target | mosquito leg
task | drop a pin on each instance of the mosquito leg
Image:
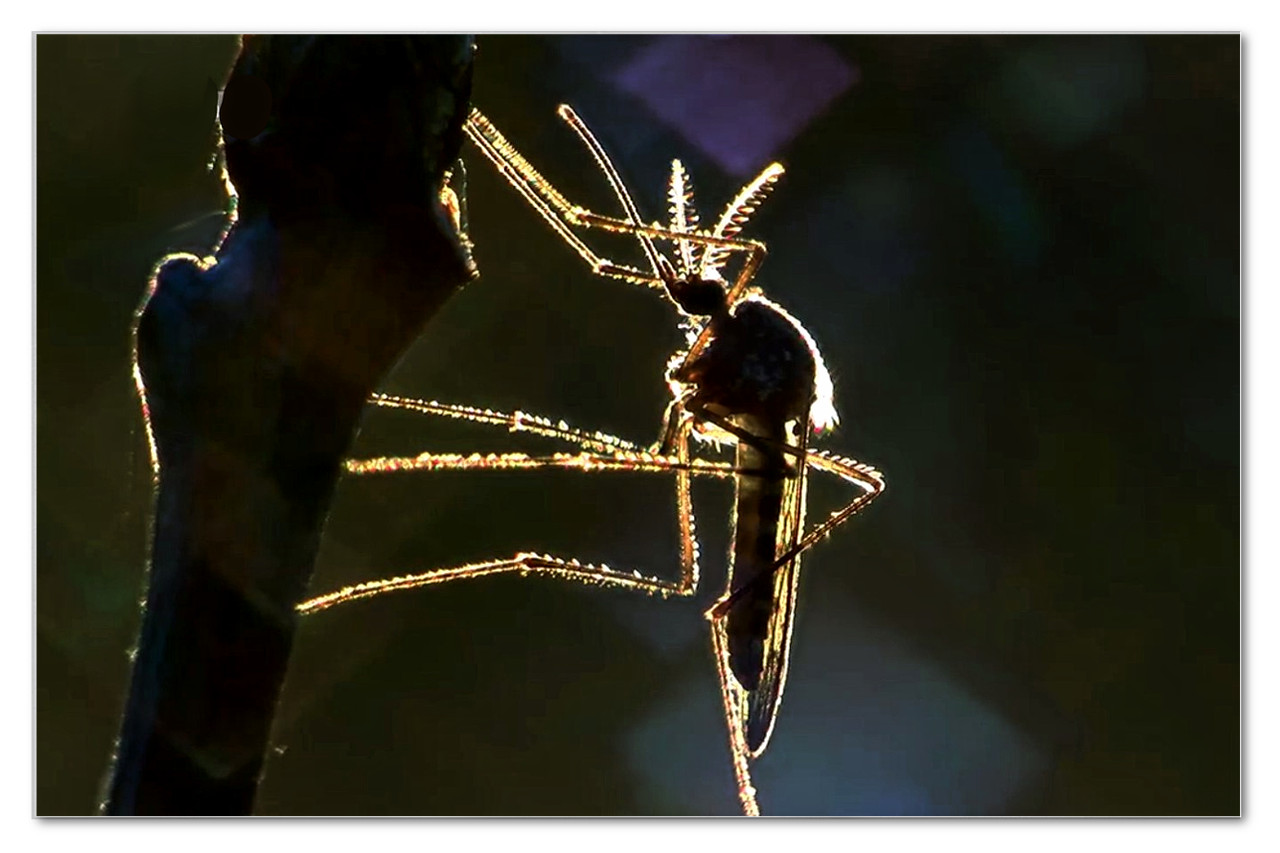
(730, 693)
(511, 162)
(535, 190)
(591, 219)
(755, 257)
(612, 453)
(672, 420)
(620, 460)
(557, 211)
(865, 477)
(524, 564)
(513, 421)
(861, 475)
(734, 700)
(546, 201)
(756, 252)
(629, 274)
(684, 508)
(615, 180)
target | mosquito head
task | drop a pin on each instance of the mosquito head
(696, 296)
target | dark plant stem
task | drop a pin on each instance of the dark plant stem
(255, 370)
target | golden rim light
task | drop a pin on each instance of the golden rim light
(701, 253)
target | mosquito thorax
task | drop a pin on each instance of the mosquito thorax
(759, 362)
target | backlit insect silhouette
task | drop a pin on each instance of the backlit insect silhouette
(751, 377)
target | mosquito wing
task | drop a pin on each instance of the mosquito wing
(762, 704)
(769, 519)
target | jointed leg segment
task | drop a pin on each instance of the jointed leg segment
(612, 454)
(560, 214)
(545, 199)
(865, 477)
(524, 564)
(603, 452)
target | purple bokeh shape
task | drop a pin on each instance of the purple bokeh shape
(739, 99)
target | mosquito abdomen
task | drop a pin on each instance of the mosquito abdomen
(758, 506)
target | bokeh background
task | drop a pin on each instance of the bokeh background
(1020, 256)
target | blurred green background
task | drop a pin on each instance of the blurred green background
(1020, 256)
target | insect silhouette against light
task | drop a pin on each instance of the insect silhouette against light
(750, 378)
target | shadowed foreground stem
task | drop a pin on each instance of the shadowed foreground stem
(254, 367)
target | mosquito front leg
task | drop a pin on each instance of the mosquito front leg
(615, 181)
(735, 216)
(754, 249)
(547, 201)
(518, 171)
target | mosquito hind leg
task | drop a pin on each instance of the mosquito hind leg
(548, 203)
(865, 477)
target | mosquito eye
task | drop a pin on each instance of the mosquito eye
(699, 297)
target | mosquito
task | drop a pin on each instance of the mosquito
(750, 378)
